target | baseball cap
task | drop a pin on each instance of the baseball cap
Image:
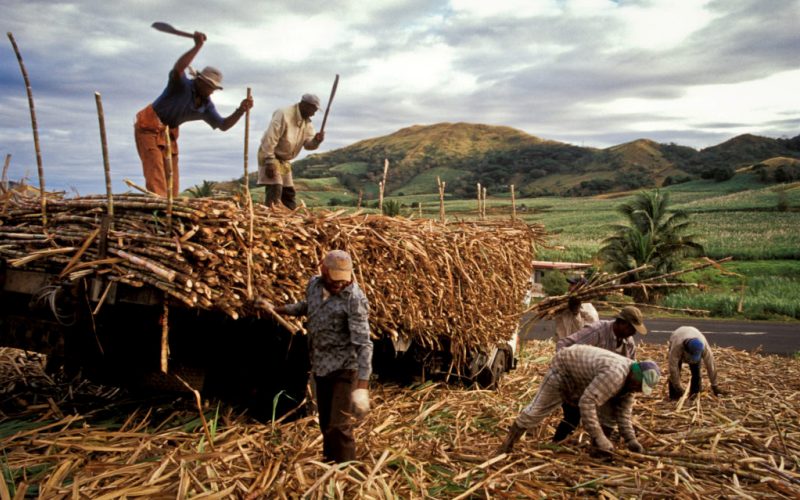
(311, 99)
(339, 265)
(648, 373)
(633, 316)
(694, 348)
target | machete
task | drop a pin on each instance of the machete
(167, 28)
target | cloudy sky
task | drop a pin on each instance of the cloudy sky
(588, 72)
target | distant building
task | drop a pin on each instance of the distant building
(540, 267)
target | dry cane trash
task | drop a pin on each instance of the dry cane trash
(81, 440)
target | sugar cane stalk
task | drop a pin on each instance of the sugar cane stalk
(248, 201)
(170, 179)
(104, 144)
(5, 171)
(35, 127)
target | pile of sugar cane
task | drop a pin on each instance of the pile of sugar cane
(425, 280)
(431, 440)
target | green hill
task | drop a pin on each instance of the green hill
(464, 154)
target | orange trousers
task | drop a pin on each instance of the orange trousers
(151, 143)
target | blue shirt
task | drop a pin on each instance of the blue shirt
(338, 329)
(175, 105)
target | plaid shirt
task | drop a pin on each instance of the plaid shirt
(592, 376)
(677, 355)
(338, 329)
(600, 334)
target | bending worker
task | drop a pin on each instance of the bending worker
(688, 345)
(289, 131)
(614, 335)
(181, 101)
(589, 377)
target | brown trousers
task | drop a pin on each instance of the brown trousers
(335, 407)
(151, 144)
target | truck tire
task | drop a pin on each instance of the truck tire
(489, 377)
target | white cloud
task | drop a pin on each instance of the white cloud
(747, 103)
(661, 24)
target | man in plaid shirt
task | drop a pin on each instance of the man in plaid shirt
(589, 377)
(615, 335)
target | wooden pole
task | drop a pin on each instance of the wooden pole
(165, 336)
(169, 180)
(513, 204)
(106, 166)
(441, 199)
(483, 204)
(249, 202)
(479, 200)
(419, 205)
(35, 128)
(360, 196)
(382, 185)
(5, 171)
(330, 100)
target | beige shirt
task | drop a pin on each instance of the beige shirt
(287, 134)
(568, 323)
(677, 355)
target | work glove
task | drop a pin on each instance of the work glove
(514, 434)
(635, 446)
(717, 391)
(361, 402)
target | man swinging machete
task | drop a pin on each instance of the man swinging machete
(184, 99)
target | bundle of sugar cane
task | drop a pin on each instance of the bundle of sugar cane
(65, 440)
(604, 285)
(424, 280)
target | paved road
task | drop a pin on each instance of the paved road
(770, 337)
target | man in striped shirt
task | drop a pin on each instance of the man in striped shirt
(589, 377)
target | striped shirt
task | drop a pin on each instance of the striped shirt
(600, 334)
(677, 355)
(591, 376)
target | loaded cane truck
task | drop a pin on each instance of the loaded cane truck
(170, 296)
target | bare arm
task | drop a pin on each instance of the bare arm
(186, 59)
(231, 119)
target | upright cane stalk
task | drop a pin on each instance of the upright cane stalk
(170, 179)
(249, 202)
(106, 166)
(5, 172)
(35, 128)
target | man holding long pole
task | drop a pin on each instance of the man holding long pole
(289, 131)
(183, 100)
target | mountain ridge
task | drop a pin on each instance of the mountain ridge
(464, 154)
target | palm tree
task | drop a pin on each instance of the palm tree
(653, 235)
(205, 190)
